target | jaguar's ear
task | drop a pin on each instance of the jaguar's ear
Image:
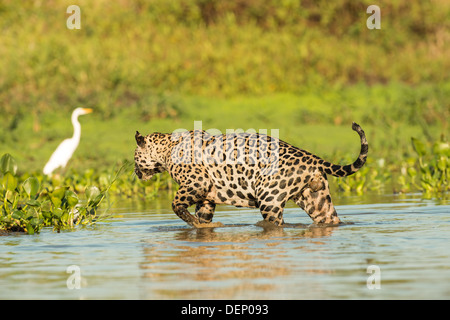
(140, 140)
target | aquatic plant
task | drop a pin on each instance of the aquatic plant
(30, 202)
(28, 207)
(429, 170)
(434, 165)
(372, 177)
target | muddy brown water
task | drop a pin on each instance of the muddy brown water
(388, 248)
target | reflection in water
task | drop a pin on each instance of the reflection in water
(268, 232)
(227, 262)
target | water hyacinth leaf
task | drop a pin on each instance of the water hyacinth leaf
(71, 198)
(5, 219)
(91, 193)
(57, 196)
(442, 148)
(31, 186)
(17, 214)
(33, 203)
(8, 164)
(9, 182)
(65, 217)
(442, 163)
(30, 229)
(47, 214)
(56, 201)
(58, 213)
(59, 192)
(46, 206)
(419, 147)
(412, 172)
(36, 222)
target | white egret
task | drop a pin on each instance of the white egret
(66, 148)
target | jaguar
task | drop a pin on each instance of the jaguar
(242, 169)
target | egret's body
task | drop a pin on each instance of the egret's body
(66, 148)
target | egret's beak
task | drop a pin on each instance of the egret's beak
(88, 110)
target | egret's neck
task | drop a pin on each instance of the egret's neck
(76, 128)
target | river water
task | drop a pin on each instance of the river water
(388, 248)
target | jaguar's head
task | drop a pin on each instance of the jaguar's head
(146, 158)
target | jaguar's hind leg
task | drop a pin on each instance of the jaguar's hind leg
(315, 199)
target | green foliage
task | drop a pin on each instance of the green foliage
(429, 171)
(28, 207)
(434, 165)
(29, 203)
(372, 177)
(129, 53)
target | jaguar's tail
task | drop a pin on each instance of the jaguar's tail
(343, 171)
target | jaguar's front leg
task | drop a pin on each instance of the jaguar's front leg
(181, 202)
(182, 212)
(205, 211)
